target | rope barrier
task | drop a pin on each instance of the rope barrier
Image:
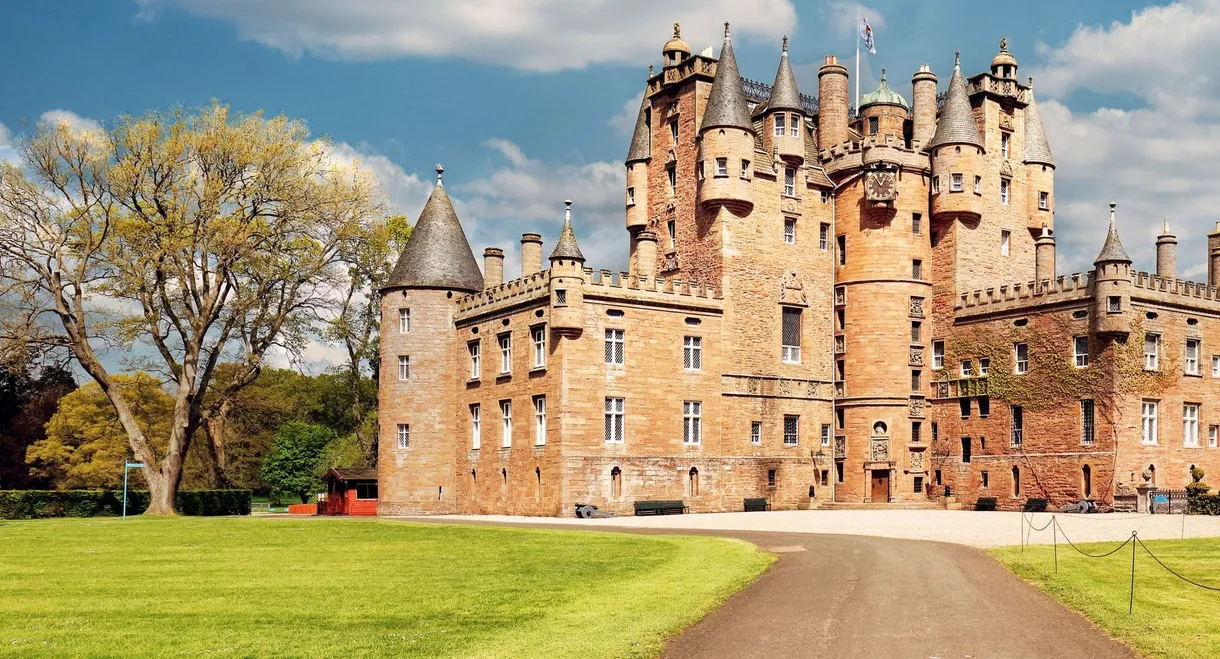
(1173, 572)
(1073, 545)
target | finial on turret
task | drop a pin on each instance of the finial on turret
(1031, 82)
(677, 30)
(957, 59)
(567, 208)
(785, 44)
(650, 72)
(1003, 44)
(1165, 230)
(726, 29)
(1113, 205)
(440, 171)
(883, 76)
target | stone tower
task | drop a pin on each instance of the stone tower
(416, 458)
(1111, 313)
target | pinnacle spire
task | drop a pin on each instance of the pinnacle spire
(1112, 250)
(566, 247)
(437, 254)
(784, 93)
(956, 124)
(641, 147)
(1037, 148)
(726, 105)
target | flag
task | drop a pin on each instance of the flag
(866, 33)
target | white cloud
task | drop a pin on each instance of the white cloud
(1157, 159)
(536, 35)
(76, 122)
(843, 15)
(8, 148)
(406, 193)
(623, 121)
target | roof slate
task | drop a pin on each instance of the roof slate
(726, 104)
(956, 124)
(1037, 148)
(437, 254)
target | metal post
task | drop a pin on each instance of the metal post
(1131, 602)
(126, 466)
(1055, 532)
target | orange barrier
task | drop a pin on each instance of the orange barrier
(303, 509)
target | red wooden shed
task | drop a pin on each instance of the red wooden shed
(349, 492)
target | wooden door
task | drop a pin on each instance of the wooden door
(881, 485)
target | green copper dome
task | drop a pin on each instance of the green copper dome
(883, 95)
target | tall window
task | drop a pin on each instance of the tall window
(1216, 366)
(1190, 424)
(1044, 201)
(756, 433)
(614, 346)
(792, 429)
(1152, 352)
(506, 423)
(1020, 358)
(475, 364)
(916, 380)
(476, 427)
(916, 432)
(1086, 422)
(825, 434)
(1192, 357)
(938, 355)
(955, 183)
(672, 227)
(673, 130)
(791, 336)
(404, 435)
(779, 124)
(966, 448)
(794, 128)
(672, 173)
(935, 185)
(916, 223)
(824, 236)
(404, 367)
(1016, 481)
(404, 321)
(967, 368)
(916, 331)
(630, 196)
(692, 353)
(1005, 239)
(1018, 425)
(916, 269)
(722, 167)
(789, 230)
(1004, 191)
(841, 247)
(538, 335)
(1004, 144)
(1080, 351)
(745, 169)
(614, 420)
(984, 365)
(1213, 435)
(539, 420)
(978, 185)
(692, 421)
(1148, 422)
(506, 353)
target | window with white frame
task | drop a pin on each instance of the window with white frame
(791, 336)
(539, 420)
(1004, 144)
(794, 128)
(692, 353)
(792, 428)
(672, 173)
(984, 365)
(1020, 358)
(935, 184)
(745, 169)
(506, 423)
(938, 355)
(1148, 412)
(630, 196)
(1080, 351)
(1213, 436)
(476, 426)
(779, 124)
(955, 183)
(506, 353)
(722, 167)
(967, 368)
(404, 321)
(538, 335)
(1190, 424)
(1086, 422)
(404, 435)
(789, 182)
(825, 435)
(475, 363)
(1152, 352)
(692, 421)
(756, 432)
(404, 367)
(978, 185)
(1017, 423)
(824, 236)
(1005, 239)
(614, 420)
(1044, 201)
(1004, 191)
(790, 230)
(672, 227)
(614, 346)
(1191, 367)
(1216, 366)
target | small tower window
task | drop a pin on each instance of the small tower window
(561, 297)
(404, 435)
(841, 245)
(916, 223)
(404, 321)
(404, 367)
(873, 126)
(916, 269)
(673, 130)
(955, 182)
(756, 433)
(1005, 238)
(672, 173)
(790, 230)
(789, 182)
(722, 167)
(1004, 191)
(745, 169)
(935, 185)
(1004, 137)
(672, 227)
(978, 184)
(630, 196)
(779, 125)
(1114, 304)
(1044, 201)
(938, 355)
(824, 236)
(795, 129)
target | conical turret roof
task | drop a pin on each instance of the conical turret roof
(1112, 250)
(640, 148)
(1037, 149)
(726, 105)
(566, 247)
(784, 94)
(956, 124)
(437, 254)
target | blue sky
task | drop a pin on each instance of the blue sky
(529, 102)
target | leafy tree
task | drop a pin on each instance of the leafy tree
(292, 466)
(206, 236)
(29, 395)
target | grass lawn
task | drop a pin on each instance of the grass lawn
(1172, 619)
(237, 587)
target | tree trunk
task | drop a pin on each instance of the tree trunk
(161, 494)
(214, 428)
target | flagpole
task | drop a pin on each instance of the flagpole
(858, 14)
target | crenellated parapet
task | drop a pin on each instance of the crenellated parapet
(1147, 287)
(624, 285)
(505, 295)
(873, 149)
(1025, 295)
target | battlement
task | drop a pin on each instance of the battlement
(1174, 291)
(695, 65)
(506, 294)
(1065, 288)
(608, 283)
(854, 154)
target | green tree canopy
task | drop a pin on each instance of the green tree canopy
(291, 467)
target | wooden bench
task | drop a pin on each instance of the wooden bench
(659, 507)
(985, 503)
(1035, 505)
(756, 505)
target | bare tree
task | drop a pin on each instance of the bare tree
(200, 236)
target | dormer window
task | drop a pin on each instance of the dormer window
(795, 129)
(779, 125)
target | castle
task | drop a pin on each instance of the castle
(823, 304)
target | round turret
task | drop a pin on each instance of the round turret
(1112, 285)
(727, 138)
(638, 156)
(1004, 65)
(832, 103)
(567, 279)
(675, 51)
(1167, 254)
(785, 115)
(883, 111)
(957, 155)
(923, 99)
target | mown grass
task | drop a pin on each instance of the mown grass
(1172, 619)
(237, 587)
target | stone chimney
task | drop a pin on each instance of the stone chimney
(923, 101)
(1167, 254)
(531, 254)
(493, 267)
(646, 255)
(1213, 257)
(833, 113)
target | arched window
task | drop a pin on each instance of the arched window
(616, 483)
(693, 479)
(1086, 473)
(1016, 482)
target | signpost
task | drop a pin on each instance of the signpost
(126, 467)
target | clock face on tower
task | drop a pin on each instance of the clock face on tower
(880, 186)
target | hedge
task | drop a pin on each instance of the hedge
(1203, 504)
(29, 504)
